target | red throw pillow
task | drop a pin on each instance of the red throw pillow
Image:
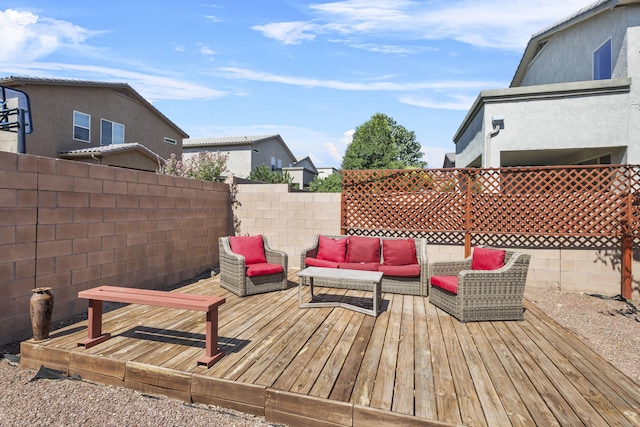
(330, 249)
(487, 259)
(250, 247)
(399, 252)
(363, 249)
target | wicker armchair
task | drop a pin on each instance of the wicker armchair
(233, 270)
(482, 294)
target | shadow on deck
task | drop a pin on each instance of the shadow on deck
(412, 365)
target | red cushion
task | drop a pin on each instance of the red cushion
(399, 252)
(412, 270)
(315, 262)
(487, 259)
(368, 266)
(363, 249)
(330, 249)
(250, 247)
(263, 269)
(448, 283)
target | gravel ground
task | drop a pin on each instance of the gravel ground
(611, 327)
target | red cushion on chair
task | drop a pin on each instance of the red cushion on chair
(263, 269)
(330, 249)
(315, 262)
(448, 283)
(399, 252)
(363, 249)
(368, 266)
(487, 259)
(412, 270)
(250, 247)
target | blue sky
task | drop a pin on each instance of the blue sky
(311, 71)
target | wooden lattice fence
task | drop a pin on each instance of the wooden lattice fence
(541, 207)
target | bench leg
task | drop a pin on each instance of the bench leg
(94, 320)
(213, 352)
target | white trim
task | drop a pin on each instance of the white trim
(112, 130)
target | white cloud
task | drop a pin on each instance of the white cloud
(502, 24)
(212, 18)
(205, 50)
(245, 74)
(26, 36)
(460, 102)
(288, 32)
(150, 86)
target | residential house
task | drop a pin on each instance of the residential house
(95, 122)
(573, 99)
(303, 171)
(324, 172)
(245, 153)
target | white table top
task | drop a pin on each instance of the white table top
(341, 273)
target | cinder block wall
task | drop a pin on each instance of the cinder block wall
(96, 225)
(291, 220)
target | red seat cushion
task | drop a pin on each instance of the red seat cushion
(487, 259)
(315, 262)
(399, 252)
(250, 247)
(448, 283)
(368, 266)
(331, 249)
(263, 269)
(412, 270)
(363, 249)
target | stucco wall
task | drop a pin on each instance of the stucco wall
(72, 226)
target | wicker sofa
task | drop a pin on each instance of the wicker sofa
(416, 284)
(471, 294)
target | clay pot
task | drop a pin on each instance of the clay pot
(41, 309)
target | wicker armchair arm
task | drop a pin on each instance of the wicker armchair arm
(274, 256)
(449, 268)
(310, 252)
(510, 278)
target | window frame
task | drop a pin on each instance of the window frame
(102, 121)
(75, 125)
(170, 140)
(598, 63)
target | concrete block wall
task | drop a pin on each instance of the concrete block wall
(290, 220)
(97, 225)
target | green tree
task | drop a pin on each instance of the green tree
(262, 173)
(381, 143)
(330, 184)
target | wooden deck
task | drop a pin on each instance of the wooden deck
(412, 365)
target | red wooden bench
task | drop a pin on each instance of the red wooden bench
(208, 304)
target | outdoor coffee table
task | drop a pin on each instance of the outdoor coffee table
(359, 277)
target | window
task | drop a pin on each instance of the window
(81, 126)
(111, 132)
(602, 62)
(279, 164)
(273, 163)
(170, 141)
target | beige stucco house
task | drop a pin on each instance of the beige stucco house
(573, 99)
(95, 122)
(245, 153)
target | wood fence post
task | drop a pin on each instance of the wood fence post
(625, 265)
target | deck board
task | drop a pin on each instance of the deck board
(411, 365)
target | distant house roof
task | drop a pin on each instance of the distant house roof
(304, 163)
(122, 88)
(226, 141)
(541, 36)
(449, 161)
(106, 150)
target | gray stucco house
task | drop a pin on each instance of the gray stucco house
(573, 99)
